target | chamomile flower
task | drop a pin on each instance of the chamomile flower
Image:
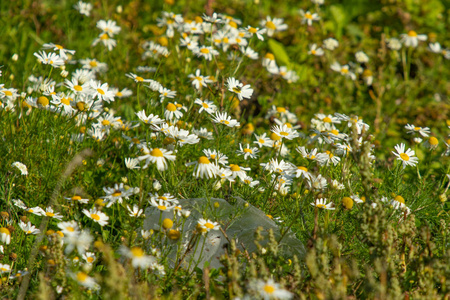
(52, 59)
(206, 51)
(316, 51)
(198, 80)
(270, 290)
(411, 39)
(344, 70)
(150, 119)
(4, 268)
(132, 163)
(223, 118)
(85, 280)
(263, 141)
(207, 225)
(284, 131)
(423, 131)
(308, 17)
(361, 57)
(83, 8)
(96, 215)
(49, 212)
(110, 27)
(138, 257)
(238, 171)
(406, 157)
(22, 168)
(69, 228)
(431, 143)
(251, 31)
(217, 156)
(172, 112)
(5, 235)
(241, 90)
(28, 228)
(166, 93)
(203, 168)
(316, 182)
(330, 44)
(247, 151)
(137, 78)
(134, 212)
(161, 204)
(117, 194)
(321, 203)
(250, 53)
(158, 156)
(273, 25)
(101, 91)
(206, 105)
(62, 51)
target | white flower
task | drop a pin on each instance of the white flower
(138, 257)
(28, 228)
(158, 156)
(269, 289)
(203, 168)
(198, 80)
(135, 211)
(344, 70)
(96, 215)
(132, 163)
(23, 169)
(83, 8)
(241, 90)
(85, 280)
(423, 131)
(308, 17)
(330, 44)
(207, 225)
(321, 203)
(314, 50)
(361, 57)
(411, 39)
(273, 25)
(52, 59)
(394, 44)
(223, 118)
(407, 158)
(435, 47)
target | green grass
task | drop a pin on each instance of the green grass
(374, 249)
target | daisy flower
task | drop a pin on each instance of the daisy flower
(423, 131)
(84, 280)
(61, 49)
(137, 78)
(344, 70)
(206, 51)
(161, 204)
(270, 290)
(106, 40)
(198, 80)
(308, 17)
(83, 8)
(5, 235)
(52, 59)
(321, 203)
(101, 91)
(89, 257)
(22, 168)
(166, 93)
(134, 212)
(172, 112)
(97, 216)
(217, 156)
(138, 257)
(407, 158)
(28, 228)
(116, 194)
(49, 212)
(285, 131)
(110, 27)
(314, 50)
(203, 168)
(247, 151)
(69, 228)
(251, 31)
(223, 118)
(207, 225)
(206, 105)
(4, 268)
(316, 182)
(250, 181)
(132, 163)
(431, 143)
(249, 52)
(158, 156)
(241, 90)
(330, 44)
(273, 25)
(237, 171)
(263, 140)
(92, 65)
(361, 57)
(150, 119)
(411, 39)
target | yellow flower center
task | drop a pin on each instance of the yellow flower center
(303, 169)
(334, 131)
(252, 30)
(140, 79)
(171, 107)
(321, 206)
(137, 252)
(65, 101)
(82, 277)
(90, 259)
(59, 47)
(274, 136)
(4, 230)
(100, 91)
(204, 50)
(271, 25)
(49, 214)
(433, 141)
(327, 120)
(308, 15)
(43, 101)
(246, 150)
(117, 193)
(156, 152)
(209, 225)
(270, 56)
(412, 33)
(284, 133)
(7, 93)
(205, 105)
(313, 52)
(269, 289)
(70, 228)
(77, 88)
(106, 123)
(95, 217)
(204, 160)
(76, 198)
(344, 70)
(236, 90)
(161, 207)
(235, 168)
(93, 63)
(104, 36)
(404, 156)
(400, 199)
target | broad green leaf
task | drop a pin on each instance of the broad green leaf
(279, 52)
